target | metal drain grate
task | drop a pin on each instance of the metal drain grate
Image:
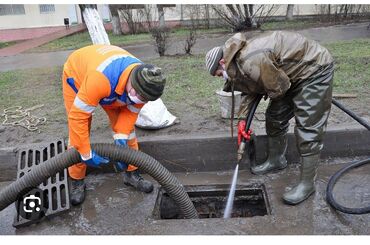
(54, 189)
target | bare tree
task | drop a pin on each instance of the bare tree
(116, 23)
(324, 12)
(196, 14)
(330, 12)
(161, 39)
(160, 33)
(148, 15)
(289, 12)
(131, 16)
(206, 6)
(241, 17)
(190, 40)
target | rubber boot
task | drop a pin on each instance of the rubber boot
(133, 178)
(77, 191)
(307, 184)
(276, 156)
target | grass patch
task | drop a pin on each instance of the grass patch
(352, 66)
(6, 44)
(32, 87)
(292, 24)
(82, 39)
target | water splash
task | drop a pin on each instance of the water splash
(230, 198)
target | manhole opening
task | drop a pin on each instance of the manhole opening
(249, 201)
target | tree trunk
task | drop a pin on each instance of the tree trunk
(94, 24)
(161, 16)
(116, 24)
(251, 12)
(207, 15)
(252, 17)
(345, 10)
(289, 12)
(181, 12)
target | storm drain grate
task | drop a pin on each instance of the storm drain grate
(210, 202)
(54, 189)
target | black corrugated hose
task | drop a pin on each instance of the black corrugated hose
(329, 189)
(115, 153)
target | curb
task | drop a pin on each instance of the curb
(215, 152)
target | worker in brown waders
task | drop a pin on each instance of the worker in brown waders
(296, 74)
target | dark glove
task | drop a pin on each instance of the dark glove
(121, 166)
(95, 160)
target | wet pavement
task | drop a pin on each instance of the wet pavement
(112, 208)
(146, 51)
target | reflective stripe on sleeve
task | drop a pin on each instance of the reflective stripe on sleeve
(132, 135)
(133, 109)
(120, 136)
(106, 62)
(83, 106)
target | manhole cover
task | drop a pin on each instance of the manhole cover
(210, 201)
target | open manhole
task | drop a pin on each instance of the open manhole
(210, 202)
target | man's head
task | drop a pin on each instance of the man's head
(215, 62)
(146, 82)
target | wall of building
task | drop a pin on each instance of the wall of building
(33, 17)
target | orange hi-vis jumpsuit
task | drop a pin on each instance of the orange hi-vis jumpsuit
(93, 75)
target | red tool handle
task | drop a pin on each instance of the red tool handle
(241, 132)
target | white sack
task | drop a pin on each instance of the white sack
(154, 115)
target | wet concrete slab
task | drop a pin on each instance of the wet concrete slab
(112, 208)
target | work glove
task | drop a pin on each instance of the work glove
(95, 160)
(121, 166)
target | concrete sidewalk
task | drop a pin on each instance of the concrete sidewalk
(32, 43)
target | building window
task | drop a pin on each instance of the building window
(46, 8)
(11, 9)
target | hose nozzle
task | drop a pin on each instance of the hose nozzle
(241, 151)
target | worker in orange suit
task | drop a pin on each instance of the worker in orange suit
(121, 84)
